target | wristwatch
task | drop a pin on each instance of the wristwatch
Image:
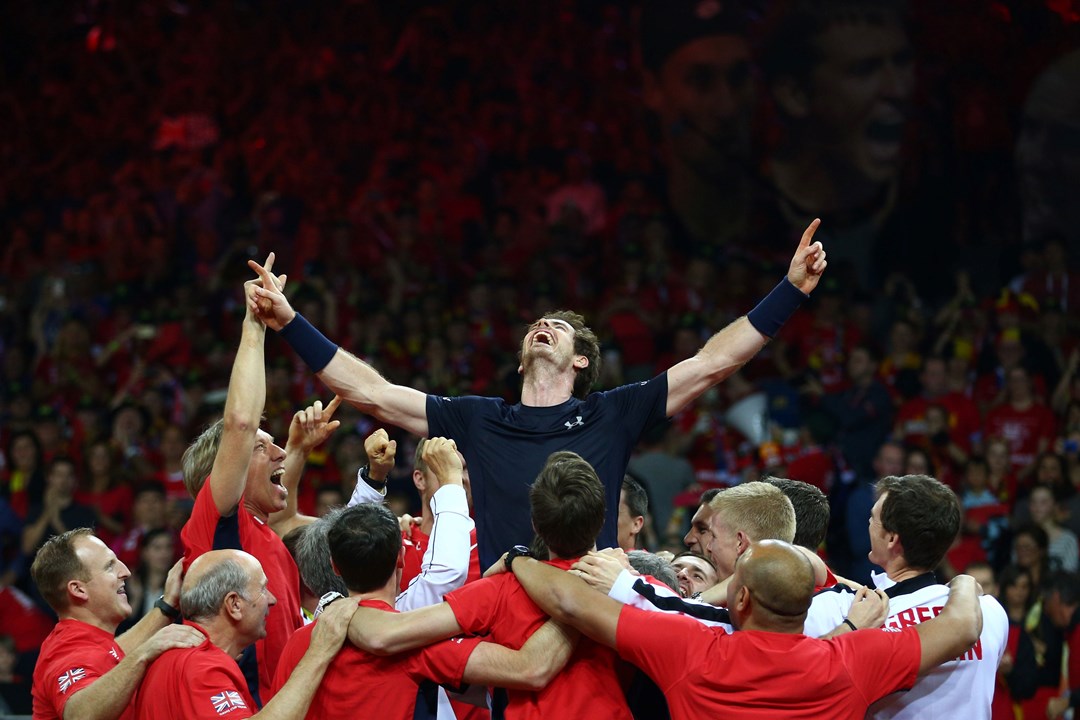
(376, 485)
(166, 609)
(516, 551)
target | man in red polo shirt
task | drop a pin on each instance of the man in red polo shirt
(567, 502)
(767, 668)
(234, 470)
(225, 600)
(366, 549)
(83, 671)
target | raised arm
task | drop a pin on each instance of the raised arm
(539, 660)
(956, 628)
(445, 565)
(341, 371)
(569, 599)
(309, 428)
(243, 409)
(731, 348)
(384, 633)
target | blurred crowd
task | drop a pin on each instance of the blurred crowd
(434, 175)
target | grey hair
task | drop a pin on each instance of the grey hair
(204, 599)
(647, 563)
(312, 554)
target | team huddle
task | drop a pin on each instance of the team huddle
(274, 614)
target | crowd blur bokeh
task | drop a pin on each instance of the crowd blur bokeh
(434, 175)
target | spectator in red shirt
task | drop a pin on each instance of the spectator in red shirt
(705, 672)
(1026, 423)
(105, 488)
(963, 415)
(147, 513)
(225, 601)
(83, 671)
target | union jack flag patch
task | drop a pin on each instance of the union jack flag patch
(69, 678)
(226, 701)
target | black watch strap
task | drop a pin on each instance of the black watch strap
(378, 485)
(168, 610)
(516, 551)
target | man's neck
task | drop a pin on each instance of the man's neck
(387, 593)
(84, 616)
(545, 387)
(222, 633)
(427, 518)
(250, 508)
(899, 572)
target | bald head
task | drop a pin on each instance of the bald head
(773, 584)
(212, 576)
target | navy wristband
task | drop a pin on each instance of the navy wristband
(311, 345)
(776, 307)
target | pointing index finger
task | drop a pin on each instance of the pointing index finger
(808, 234)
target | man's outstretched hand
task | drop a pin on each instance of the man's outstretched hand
(808, 264)
(265, 296)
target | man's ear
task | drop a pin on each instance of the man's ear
(639, 522)
(419, 481)
(742, 600)
(742, 541)
(233, 606)
(791, 97)
(77, 590)
(581, 362)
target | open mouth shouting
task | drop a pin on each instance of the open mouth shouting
(275, 479)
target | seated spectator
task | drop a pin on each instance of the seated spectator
(104, 486)
(1063, 549)
(58, 511)
(14, 688)
(147, 513)
(146, 584)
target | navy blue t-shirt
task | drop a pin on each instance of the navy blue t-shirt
(505, 447)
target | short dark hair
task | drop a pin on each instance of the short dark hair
(811, 510)
(56, 563)
(567, 500)
(585, 343)
(925, 514)
(790, 44)
(708, 495)
(637, 500)
(1066, 585)
(365, 541)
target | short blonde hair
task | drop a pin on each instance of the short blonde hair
(760, 510)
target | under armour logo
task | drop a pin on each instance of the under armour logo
(573, 424)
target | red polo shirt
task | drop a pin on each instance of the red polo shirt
(499, 608)
(361, 685)
(72, 658)
(207, 530)
(199, 683)
(706, 672)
